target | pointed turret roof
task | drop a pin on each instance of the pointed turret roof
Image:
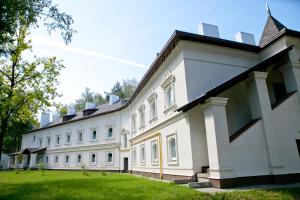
(272, 28)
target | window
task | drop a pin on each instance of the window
(109, 158)
(47, 159)
(143, 154)
(154, 151)
(298, 146)
(110, 132)
(142, 116)
(57, 139)
(94, 134)
(67, 159)
(48, 141)
(133, 123)
(168, 87)
(134, 156)
(56, 159)
(68, 138)
(172, 148)
(80, 136)
(125, 141)
(40, 142)
(153, 110)
(78, 160)
(34, 138)
(93, 158)
(169, 97)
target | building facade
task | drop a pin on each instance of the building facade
(227, 109)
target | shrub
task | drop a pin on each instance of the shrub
(42, 166)
(104, 173)
(85, 169)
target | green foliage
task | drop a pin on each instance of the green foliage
(29, 13)
(88, 96)
(20, 158)
(85, 169)
(26, 86)
(41, 167)
(103, 173)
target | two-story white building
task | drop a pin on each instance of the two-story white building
(226, 110)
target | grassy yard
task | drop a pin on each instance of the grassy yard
(64, 185)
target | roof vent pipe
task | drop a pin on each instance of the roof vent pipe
(209, 30)
(246, 38)
(45, 119)
(113, 99)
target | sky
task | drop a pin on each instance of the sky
(116, 40)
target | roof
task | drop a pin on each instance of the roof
(271, 26)
(29, 151)
(235, 80)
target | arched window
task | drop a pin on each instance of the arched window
(154, 152)
(110, 132)
(169, 96)
(109, 158)
(172, 149)
(67, 159)
(125, 140)
(78, 159)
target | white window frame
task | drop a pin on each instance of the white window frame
(154, 161)
(68, 134)
(125, 140)
(171, 160)
(56, 162)
(142, 116)
(133, 123)
(107, 132)
(106, 158)
(47, 159)
(134, 156)
(169, 83)
(65, 159)
(48, 140)
(34, 137)
(78, 163)
(57, 136)
(40, 141)
(92, 134)
(143, 156)
(78, 136)
(91, 156)
(153, 113)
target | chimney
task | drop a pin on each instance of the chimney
(209, 30)
(45, 119)
(113, 99)
(89, 108)
(55, 116)
(70, 115)
(71, 110)
(246, 38)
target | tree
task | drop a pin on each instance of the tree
(26, 86)
(12, 141)
(129, 85)
(31, 12)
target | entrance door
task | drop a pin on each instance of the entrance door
(125, 165)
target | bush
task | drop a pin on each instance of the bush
(104, 173)
(42, 166)
(85, 169)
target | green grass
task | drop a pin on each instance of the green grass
(67, 185)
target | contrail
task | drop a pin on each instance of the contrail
(40, 40)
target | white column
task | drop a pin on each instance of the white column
(32, 160)
(219, 152)
(291, 77)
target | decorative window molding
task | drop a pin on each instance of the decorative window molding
(67, 159)
(68, 138)
(143, 154)
(170, 80)
(80, 136)
(172, 149)
(152, 97)
(134, 156)
(93, 159)
(154, 152)
(133, 123)
(78, 159)
(109, 158)
(48, 140)
(153, 110)
(94, 134)
(142, 116)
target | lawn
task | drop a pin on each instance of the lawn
(65, 185)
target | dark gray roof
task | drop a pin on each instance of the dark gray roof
(29, 151)
(271, 29)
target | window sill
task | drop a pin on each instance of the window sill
(92, 164)
(94, 140)
(173, 162)
(68, 144)
(153, 119)
(80, 142)
(143, 163)
(109, 164)
(171, 108)
(155, 163)
(109, 138)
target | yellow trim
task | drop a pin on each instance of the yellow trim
(158, 134)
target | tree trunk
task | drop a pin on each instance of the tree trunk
(3, 130)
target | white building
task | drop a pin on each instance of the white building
(230, 109)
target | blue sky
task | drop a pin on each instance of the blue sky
(119, 39)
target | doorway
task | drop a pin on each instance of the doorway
(125, 169)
